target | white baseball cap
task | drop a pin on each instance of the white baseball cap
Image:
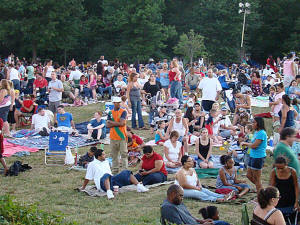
(116, 99)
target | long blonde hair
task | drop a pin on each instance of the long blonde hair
(131, 76)
(174, 64)
(7, 85)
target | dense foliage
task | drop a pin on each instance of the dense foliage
(139, 29)
(12, 212)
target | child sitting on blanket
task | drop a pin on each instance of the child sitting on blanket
(213, 125)
(134, 146)
(236, 150)
(227, 177)
(87, 158)
(211, 212)
(160, 135)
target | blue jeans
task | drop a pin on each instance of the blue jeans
(136, 109)
(193, 87)
(220, 222)
(151, 116)
(204, 194)
(244, 186)
(176, 90)
(86, 92)
(16, 83)
(120, 179)
(108, 89)
(152, 178)
(29, 87)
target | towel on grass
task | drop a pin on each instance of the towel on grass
(10, 149)
(92, 191)
(207, 173)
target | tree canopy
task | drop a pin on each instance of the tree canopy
(140, 29)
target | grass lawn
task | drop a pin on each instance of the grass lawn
(52, 188)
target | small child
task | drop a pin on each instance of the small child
(87, 158)
(216, 107)
(124, 105)
(160, 135)
(79, 102)
(213, 125)
(236, 150)
(248, 138)
(134, 145)
(211, 212)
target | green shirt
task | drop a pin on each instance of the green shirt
(67, 86)
(286, 151)
(30, 72)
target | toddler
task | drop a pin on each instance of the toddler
(160, 135)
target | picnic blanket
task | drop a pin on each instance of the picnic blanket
(82, 127)
(260, 101)
(92, 191)
(39, 142)
(214, 158)
(11, 149)
(207, 173)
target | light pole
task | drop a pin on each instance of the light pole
(244, 8)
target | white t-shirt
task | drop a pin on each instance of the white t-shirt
(271, 82)
(14, 74)
(173, 152)
(95, 171)
(49, 71)
(216, 126)
(40, 121)
(209, 87)
(225, 123)
(267, 72)
(75, 75)
(117, 83)
(142, 81)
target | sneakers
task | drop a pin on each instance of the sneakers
(110, 194)
(141, 188)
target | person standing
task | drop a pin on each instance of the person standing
(55, 89)
(48, 70)
(116, 121)
(175, 81)
(2, 149)
(288, 70)
(31, 78)
(14, 77)
(211, 88)
(257, 147)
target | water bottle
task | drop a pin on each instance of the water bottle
(271, 141)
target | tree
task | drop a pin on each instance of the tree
(190, 45)
(41, 24)
(135, 29)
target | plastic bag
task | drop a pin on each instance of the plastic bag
(69, 159)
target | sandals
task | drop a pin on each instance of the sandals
(229, 196)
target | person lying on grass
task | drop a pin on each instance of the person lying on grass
(99, 171)
(227, 177)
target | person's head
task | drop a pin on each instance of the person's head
(5, 84)
(286, 100)
(280, 163)
(210, 73)
(161, 124)
(213, 113)
(82, 78)
(174, 136)
(288, 135)
(148, 151)
(293, 83)
(49, 62)
(268, 197)
(178, 113)
(165, 66)
(192, 71)
(163, 109)
(174, 64)
(227, 161)
(41, 111)
(248, 129)
(204, 132)
(224, 111)
(258, 123)
(187, 161)
(63, 77)
(98, 115)
(116, 101)
(272, 90)
(215, 106)
(175, 194)
(280, 87)
(92, 151)
(298, 79)
(237, 93)
(133, 77)
(99, 154)
(210, 212)
(99, 77)
(241, 137)
(197, 106)
(290, 55)
(61, 109)
(17, 93)
(120, 77)
(123, 98)
(256, 74)
(53, 75)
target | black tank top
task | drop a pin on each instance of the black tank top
(287, 191)
(203, 149)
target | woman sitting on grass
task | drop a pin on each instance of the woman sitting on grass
(96, 128)
(187, 178)
(227, 177)
(172, 152)
(204, 149)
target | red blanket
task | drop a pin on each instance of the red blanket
(10, 149)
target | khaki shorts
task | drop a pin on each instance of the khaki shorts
(53, 106)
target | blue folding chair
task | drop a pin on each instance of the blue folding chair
(56, 152)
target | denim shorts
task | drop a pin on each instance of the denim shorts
(256, 163)
(200, 160)
(121, 179)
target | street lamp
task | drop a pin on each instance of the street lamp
(244, 8)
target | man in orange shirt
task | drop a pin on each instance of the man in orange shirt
(116, 121)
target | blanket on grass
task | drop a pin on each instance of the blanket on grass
(207, 173)
(11, 149)
(92, 191)
(39, 142)
(260, 101)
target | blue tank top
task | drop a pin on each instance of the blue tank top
(164, 79)
(157, 137)
(289, 118)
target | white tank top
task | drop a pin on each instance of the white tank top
(191, 180)
(179, 127)
(49, 71)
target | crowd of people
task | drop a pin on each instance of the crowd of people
(185, 126)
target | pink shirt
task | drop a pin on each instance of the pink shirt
(277, 108)
(287, 68)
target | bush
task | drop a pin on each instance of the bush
(12, 212)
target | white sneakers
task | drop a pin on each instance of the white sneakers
(110, 194)
(141, 188)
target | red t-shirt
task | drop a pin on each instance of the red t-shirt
(137, 139)
(27, 103)
(40, 83)
(171, 75)
(149, 163)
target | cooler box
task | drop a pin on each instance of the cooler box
(109, 106)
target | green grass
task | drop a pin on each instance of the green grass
(52, 189)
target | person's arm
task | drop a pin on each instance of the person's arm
(129, 86)
(86, 181)
(284, 111)
(295, 179)
(197, 149)
(253, 145)
(73, 124)
(260, 85)
(170, 127)
(210, 150)
(278, 218)
(272, 181)
(28, 109)
(185, 124)
(160, 135)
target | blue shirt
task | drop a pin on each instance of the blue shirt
(64, 119)
(260, 151)
(95, 123)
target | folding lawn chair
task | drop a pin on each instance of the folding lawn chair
(245, 216)
(56, 152)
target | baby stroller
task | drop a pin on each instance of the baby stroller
(229, 99)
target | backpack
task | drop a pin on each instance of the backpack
(17, 167)
(242, 78)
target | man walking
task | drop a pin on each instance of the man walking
(116, 121)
